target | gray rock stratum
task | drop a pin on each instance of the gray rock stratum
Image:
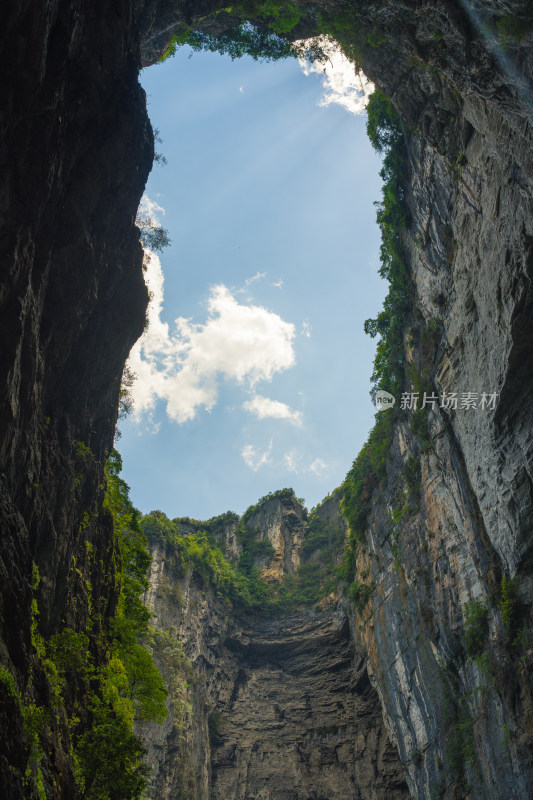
(282, 708)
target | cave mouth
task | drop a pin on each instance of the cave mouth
(270, 196)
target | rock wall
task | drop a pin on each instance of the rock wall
(281, 708)
(76, 149)
(469, 244)
(282, 524)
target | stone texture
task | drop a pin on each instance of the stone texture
(282, 524)
(292, 711)
(76, 149)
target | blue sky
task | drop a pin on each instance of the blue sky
(268, 199)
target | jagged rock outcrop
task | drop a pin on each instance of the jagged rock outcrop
(281, 524)
(76, 150)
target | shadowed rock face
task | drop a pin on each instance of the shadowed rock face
(76, 149)
(302, 720)
(75, 152)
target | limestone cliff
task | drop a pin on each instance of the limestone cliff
(280, 707)
(76, 151)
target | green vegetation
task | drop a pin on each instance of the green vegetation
(419, 425)
(460, 744)
(359, 593)
(117, 689)
(34, 723)
(152, 236)
(159, 158)
(321, 537)
(280, 494)
(215, 724)
(245, 39)
(307, 586)
(169, 655)
(107, 754)
(517, 633)
(240, 585)
(125, 398)
(127, 686)
(253, 549)
(368, 470)
(513, 28)
(385, 133)
(438, 790)
(476, 627)
(265, 39)
(413, 480)
(209, 566)
(196, 547)
(274, 29)
(509, 602)
(10, 687)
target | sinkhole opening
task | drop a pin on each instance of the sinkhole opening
(253, 373)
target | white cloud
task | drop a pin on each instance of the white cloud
(248, 282)
(290, 461)
(306, 330)
(317, 467)
(253, 459)
(151, 210)
(278, 284)
(264, 407)
(245, 343)
(342, 84)
(257, 277)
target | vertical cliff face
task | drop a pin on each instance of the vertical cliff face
(470, 250)
(281, 525)
(76, 151)
(457, 700)
(461, 711)
(281, 707)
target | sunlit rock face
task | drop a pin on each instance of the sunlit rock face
(280, 523)
(76, 152)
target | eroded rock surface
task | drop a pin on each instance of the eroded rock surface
(282, 708)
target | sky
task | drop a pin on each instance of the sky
(254, 372)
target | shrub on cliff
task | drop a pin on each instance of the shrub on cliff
(368, 470)
(109, 757)
(385, 133)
